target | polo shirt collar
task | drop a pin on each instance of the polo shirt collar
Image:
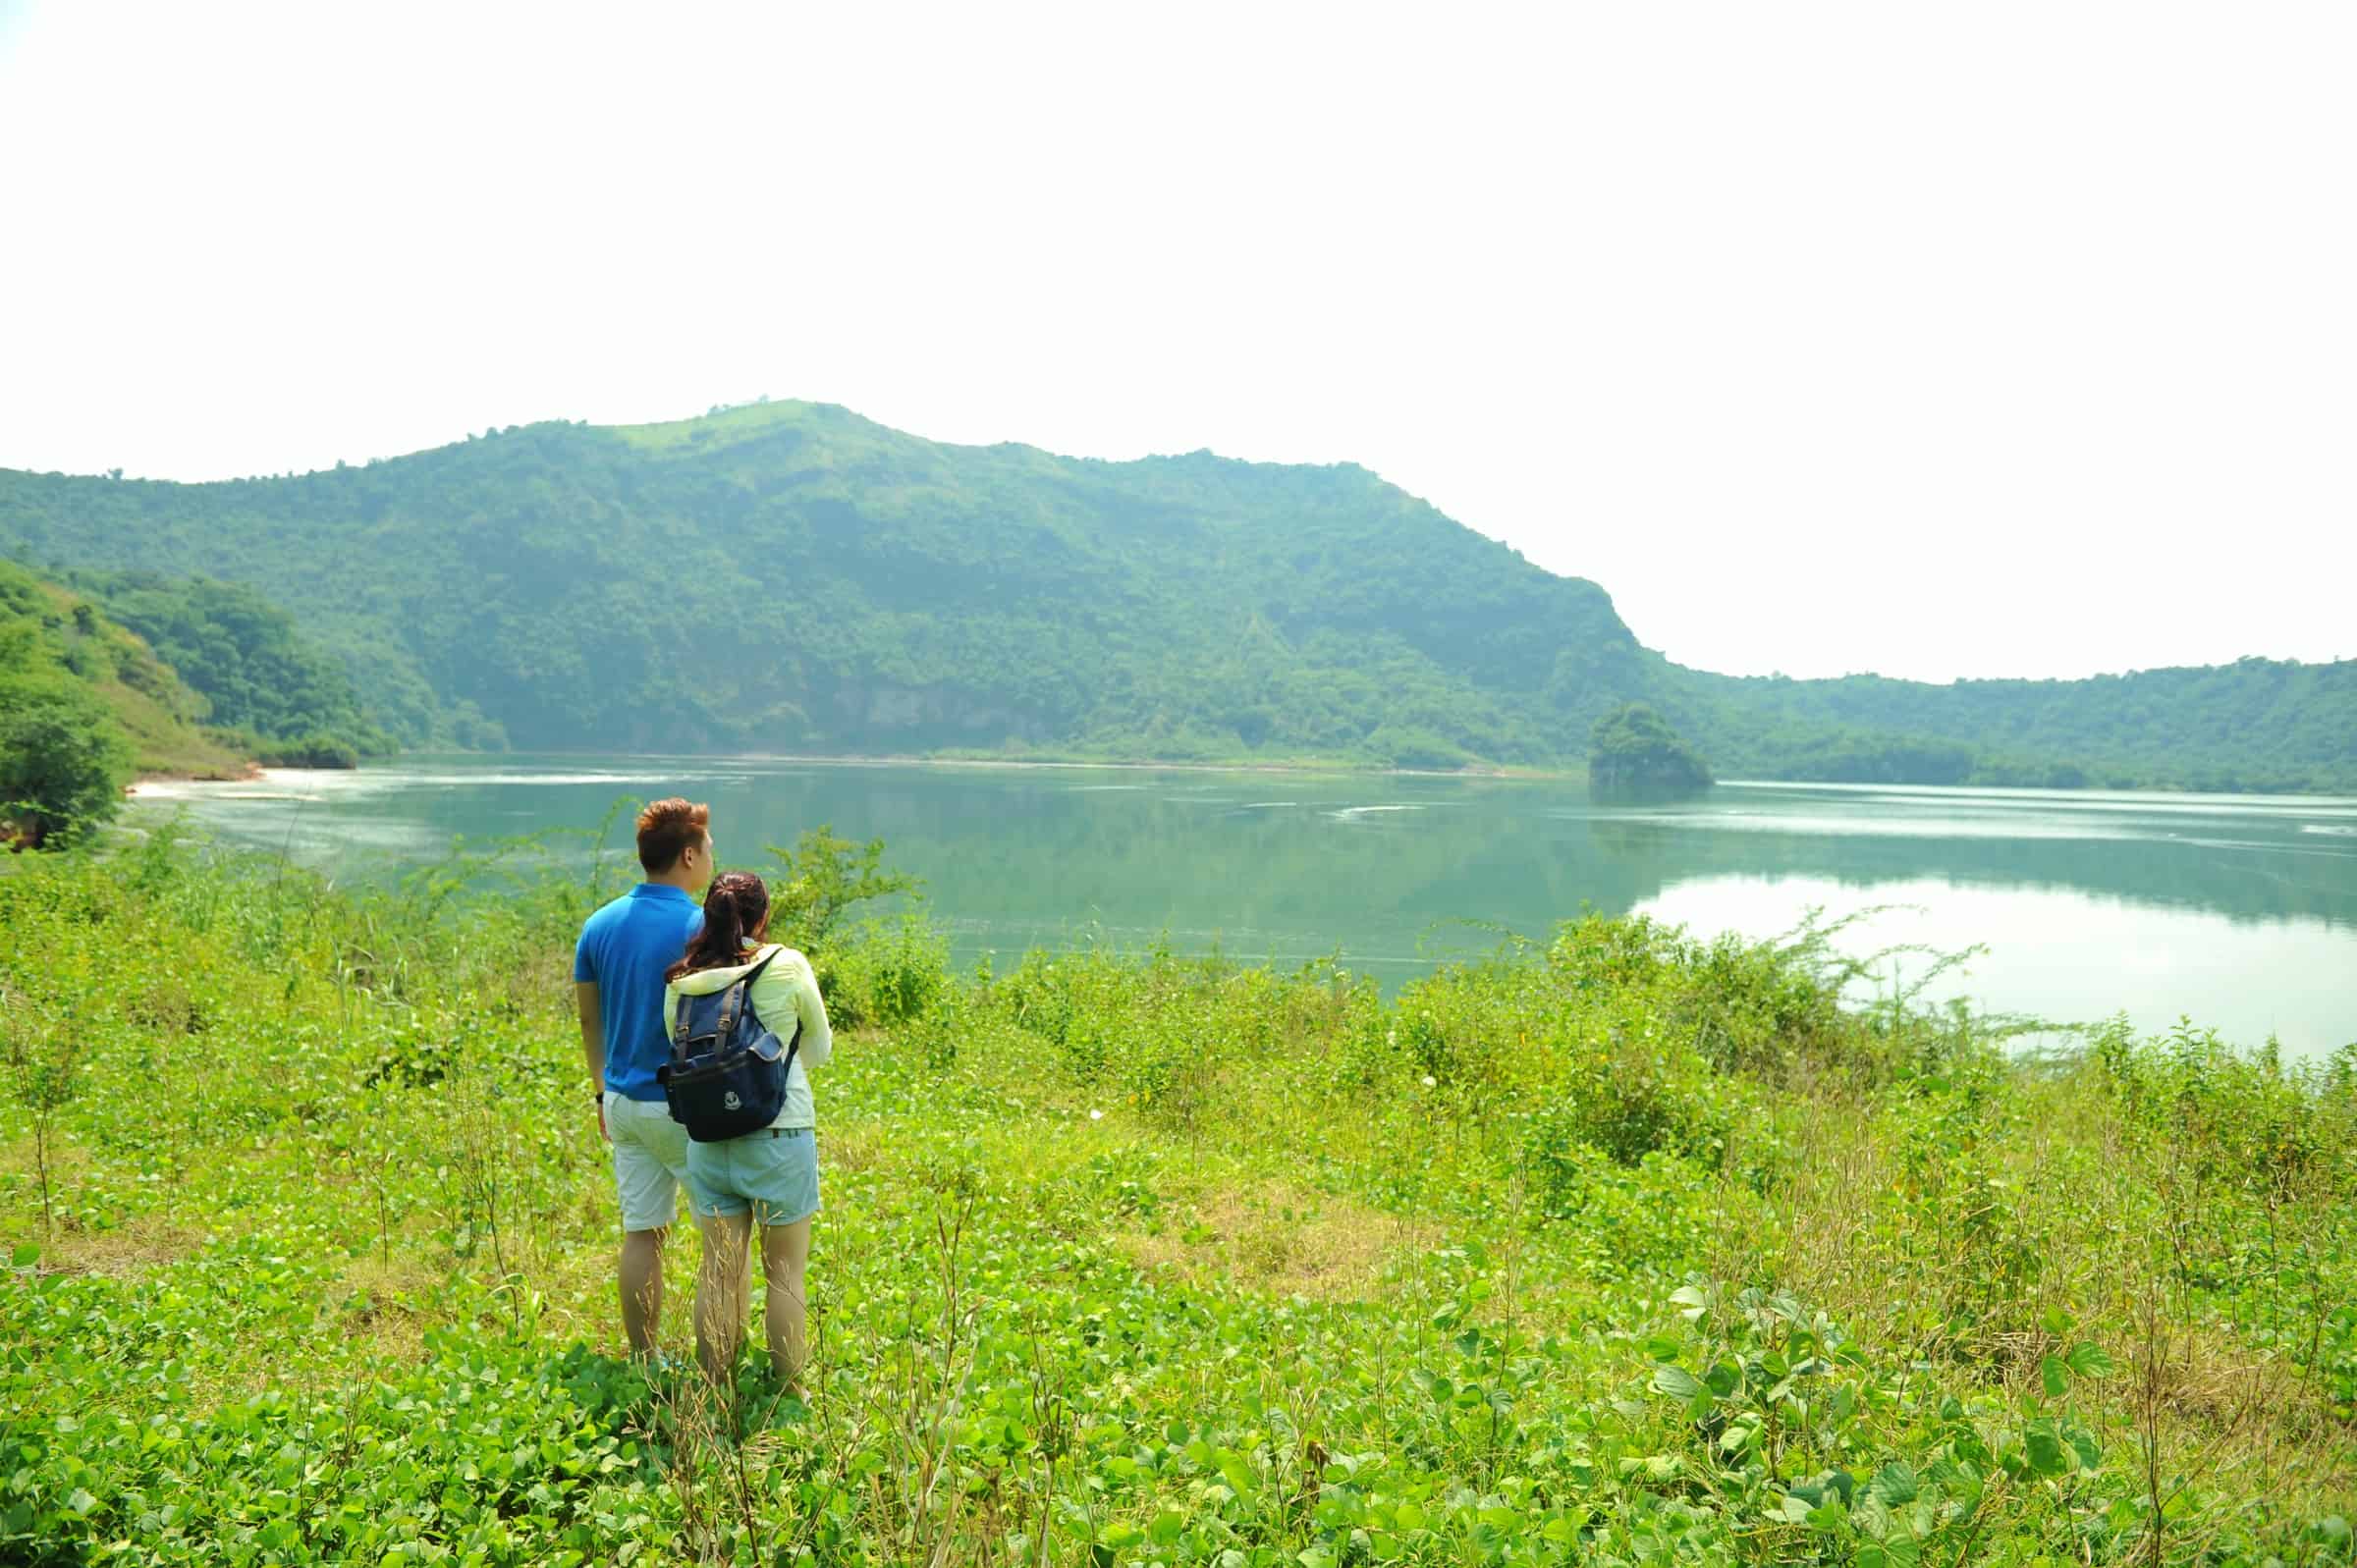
(659, 890)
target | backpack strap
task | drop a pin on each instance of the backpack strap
(734, 1002)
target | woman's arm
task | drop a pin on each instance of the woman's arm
(788, 991)
(819, 1036)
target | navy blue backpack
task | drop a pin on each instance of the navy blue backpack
(727, 1073)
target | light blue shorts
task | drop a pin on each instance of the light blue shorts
(771, 1175)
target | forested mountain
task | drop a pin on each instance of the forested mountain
(2257, 724)
(790, 576)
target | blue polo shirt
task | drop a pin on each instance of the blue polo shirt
(624, 948)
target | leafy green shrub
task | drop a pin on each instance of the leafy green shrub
(819, 881)
(1631, 1095)
(2336, 1359)
(1755, 1006)
(1163, 1034)
(2242, 1116)
(1599, 951)
(309, 752)
(886, 972)
(413, 1057)
(1590, 1055)
(63, 760)
(1653, 1214)
(1791, 1420)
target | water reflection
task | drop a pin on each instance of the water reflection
(2240, 911)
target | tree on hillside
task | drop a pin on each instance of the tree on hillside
(63, 762)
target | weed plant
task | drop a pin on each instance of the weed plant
(1614, 1248)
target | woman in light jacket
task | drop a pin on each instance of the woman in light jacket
(771, 1175)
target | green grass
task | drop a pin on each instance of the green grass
(722, 429)
(167, 744)
(1616, 1249)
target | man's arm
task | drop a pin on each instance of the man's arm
(593, 1042)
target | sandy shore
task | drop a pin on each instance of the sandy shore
(166, 786)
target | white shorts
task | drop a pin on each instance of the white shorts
(650, 1160)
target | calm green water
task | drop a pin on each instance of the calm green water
(2239, 912)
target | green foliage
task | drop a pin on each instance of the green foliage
(63, 760)
(83, 702)
(292, 704)
(42, 1071)
(2248, 1121)
(1631, 749)
(2259, 724)
(1783, 1415)
(835, 586)
(890, 972)
(896, 972)
(1132, 1258)
(316, 750)
(818, 882)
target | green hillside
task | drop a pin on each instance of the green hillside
(58, 646)
(287, 699)
(790, 576)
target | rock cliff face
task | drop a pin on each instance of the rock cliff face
(884, 709)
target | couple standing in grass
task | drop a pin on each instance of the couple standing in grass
(638, 957)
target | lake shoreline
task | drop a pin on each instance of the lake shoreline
(1309, 768)
(2238, 912)
(258, 773)
(169, 785)
(1306, 768)
(177, 776)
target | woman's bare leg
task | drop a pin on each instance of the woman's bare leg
(720, 1284)
(785, 1257)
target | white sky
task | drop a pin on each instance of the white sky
(1965, 340)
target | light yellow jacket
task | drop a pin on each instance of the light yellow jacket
(786, 993)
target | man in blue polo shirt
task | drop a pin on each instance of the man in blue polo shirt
(618, 973)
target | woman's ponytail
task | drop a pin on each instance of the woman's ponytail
(735, 909)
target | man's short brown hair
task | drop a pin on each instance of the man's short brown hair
(668, 829)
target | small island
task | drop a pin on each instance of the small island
(1632, 750)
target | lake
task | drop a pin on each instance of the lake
(2239, 912)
